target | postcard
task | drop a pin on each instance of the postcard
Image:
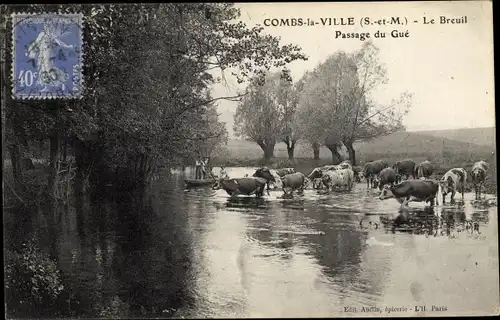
(243, 160)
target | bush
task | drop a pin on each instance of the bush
(32, 281)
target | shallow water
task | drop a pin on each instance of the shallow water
(198, 253)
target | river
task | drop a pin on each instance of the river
(186, 253)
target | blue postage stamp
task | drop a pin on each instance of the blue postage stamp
(47, 56)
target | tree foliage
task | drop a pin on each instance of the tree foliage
(148, 75)
(336, 105)
(266, 113)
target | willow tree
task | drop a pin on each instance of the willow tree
(337, 106)
(287, 95)
(364, 119)
(322, 102)
(259, 116)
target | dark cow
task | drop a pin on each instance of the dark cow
(404, 167)
(386, 176)
(266, 174)
(453, 181)
(27, 164)
(284, 171)
(412, 190)
(424, 170)
(478, 175)
(293, 181)
(372, 169)
(247, 185)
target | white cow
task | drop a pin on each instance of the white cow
(343, 178)
(453, 181)
(478, 174)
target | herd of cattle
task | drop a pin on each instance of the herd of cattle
(405, 181)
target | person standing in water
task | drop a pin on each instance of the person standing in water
(198, 165)
(223, 174)
(206, 168)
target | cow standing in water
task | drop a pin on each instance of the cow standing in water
(412, 190)
(284, 171)
(292, 182)
(371, 171)
(386, 177)
(453, 181)
(404, 167)
(317, 173)
(478, 175)
(424, 170)
(343, 178)
(357, 173)
(277, 184)
(247, 185)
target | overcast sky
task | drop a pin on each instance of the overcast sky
(448, 67)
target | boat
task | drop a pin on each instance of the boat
(199, 182)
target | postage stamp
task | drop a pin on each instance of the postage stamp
(47, 56)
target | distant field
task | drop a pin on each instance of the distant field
(395, 146)
(480, 136)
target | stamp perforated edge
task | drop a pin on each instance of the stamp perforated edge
(80, 18)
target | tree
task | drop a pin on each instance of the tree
(336, 106)
(288, 95)
(322, 102)
(302, 114)
(148, 72)
(364, 119)
(259, 115)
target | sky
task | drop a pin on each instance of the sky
(447, 67)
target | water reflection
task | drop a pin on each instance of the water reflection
(199, 253)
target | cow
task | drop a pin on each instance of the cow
(478, 175)
(338, 178)
(277, 184)
(372, 169)
(294, 181)
(386, 176)
(404, 167)
(27, 164)
(266, 173)
(424, 170)
(318, 172)
(357, 173)
(284, 171)
(246, 186)
(412, 190)
(317, 183)
(452, 181)
(345, 164)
